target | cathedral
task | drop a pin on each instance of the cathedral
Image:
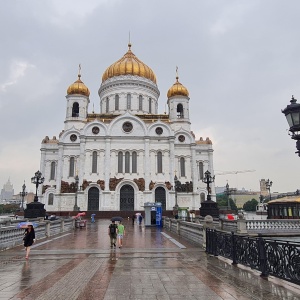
(128, 154)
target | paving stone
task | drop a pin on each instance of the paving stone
(81, 265)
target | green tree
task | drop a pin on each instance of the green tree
(250, 205)
(222, 201)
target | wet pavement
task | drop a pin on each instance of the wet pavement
(153, 264)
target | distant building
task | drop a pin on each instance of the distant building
(7, 192)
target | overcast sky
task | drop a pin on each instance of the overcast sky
(240, 61)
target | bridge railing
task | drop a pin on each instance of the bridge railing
(11, 236)
(277, 258)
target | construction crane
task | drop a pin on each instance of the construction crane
(233, 172)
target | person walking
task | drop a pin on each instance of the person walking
(29, 239)
(140, 219)
(133, 219)
(121, 234)
(112, 232)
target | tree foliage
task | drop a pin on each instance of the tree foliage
(9, 208)
(222, 201)
(250, 205)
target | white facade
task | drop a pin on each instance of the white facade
(127, 154)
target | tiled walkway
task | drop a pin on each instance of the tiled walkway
(151, 265)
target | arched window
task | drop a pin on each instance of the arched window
(72, 167)
(201, 170)
(140, 102)
(50, 199)
(202, 197)
(180, 111)
(150, 106)
(94, 162)
(120, 162)
(107, 105)
(134, 162)
(182, 167)
(127, 162)
(52, 172)
(159, 162)
(128, 101)
(117, 102)
(75, 109)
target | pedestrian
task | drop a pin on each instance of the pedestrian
(121, 234)
(29, 239)
(140, 219)
(133, 218)
(112, 232)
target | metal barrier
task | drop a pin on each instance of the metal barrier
(271, 257)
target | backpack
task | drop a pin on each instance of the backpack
(112, 229)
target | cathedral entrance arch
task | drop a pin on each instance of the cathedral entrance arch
(127, 198)
(160, 196)
(93, 199)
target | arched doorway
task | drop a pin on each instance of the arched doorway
(127, 198)
(93, 199)
(160, 196)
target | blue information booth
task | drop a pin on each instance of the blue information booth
(153, 214)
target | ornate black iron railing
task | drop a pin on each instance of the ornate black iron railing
(271, 257)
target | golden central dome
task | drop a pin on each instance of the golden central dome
(177, 89)
(129, 64)
(78, 87)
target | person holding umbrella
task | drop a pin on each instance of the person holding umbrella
(29, 238)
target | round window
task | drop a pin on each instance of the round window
(127, 126)
(73, 137)
(95, 130)
(181, 138)
(159, 130)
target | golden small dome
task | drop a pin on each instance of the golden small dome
(177, 89)
(78, 87)
(129, 64)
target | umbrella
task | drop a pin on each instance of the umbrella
(116, 219)
(26, 224)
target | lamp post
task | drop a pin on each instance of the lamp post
(209, 207)
(37, 179)
(22, 195)
(208, 179)
(292, 114)
(176, 182)
(268, 187)
(261, 198)
(76, 208)
(35, 209)
(228, 193)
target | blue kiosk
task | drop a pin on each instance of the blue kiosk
(153, 214)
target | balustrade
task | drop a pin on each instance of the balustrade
(11, 236)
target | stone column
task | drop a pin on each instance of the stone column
(107, 162)
(59, 171)
(172, 160)
(147, 163)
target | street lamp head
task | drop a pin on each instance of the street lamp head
(292, 114)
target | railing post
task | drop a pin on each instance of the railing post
(178, 227)
(215, 245)
(47, 229)
(262, 257)
(207, 239)
(62, 225)
(233, 243)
